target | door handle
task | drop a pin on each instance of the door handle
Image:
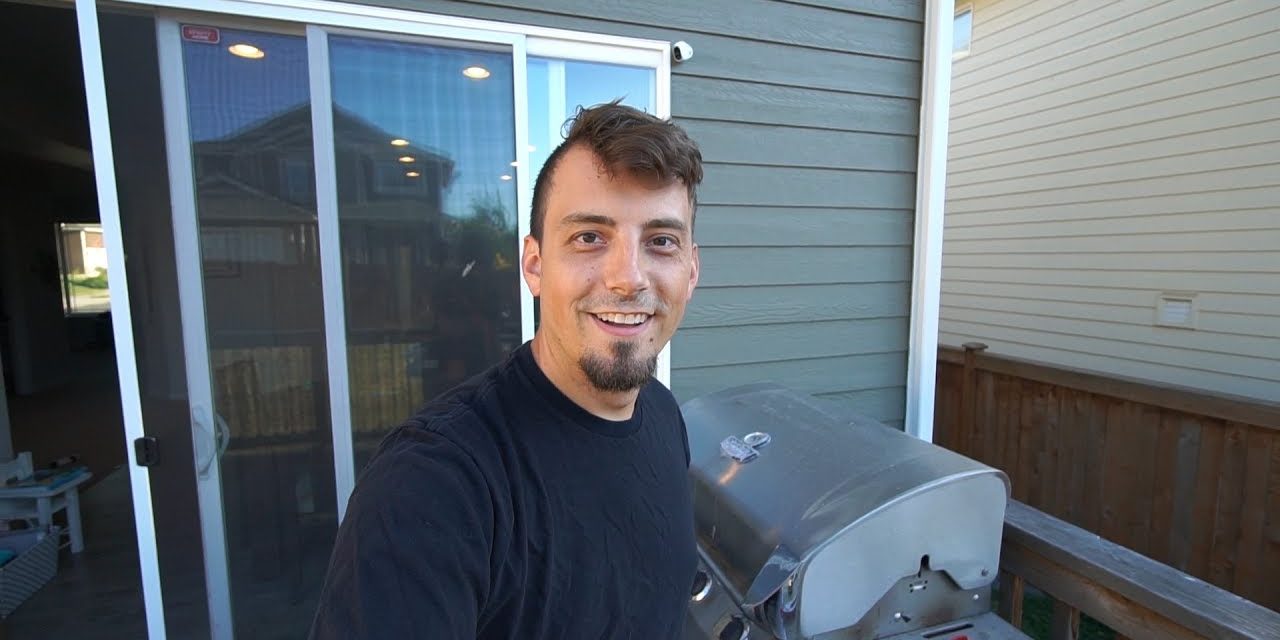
(221, 434)
(214, 436)
(205, 441)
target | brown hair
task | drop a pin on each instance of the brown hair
(625, 140)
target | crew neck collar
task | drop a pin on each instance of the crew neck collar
(542, 385)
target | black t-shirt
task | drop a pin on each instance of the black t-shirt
(504, 510)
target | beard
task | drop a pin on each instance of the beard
(625, 371)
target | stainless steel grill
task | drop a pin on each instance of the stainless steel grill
(815, 523)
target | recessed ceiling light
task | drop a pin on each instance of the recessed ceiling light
(247, 51)
(405, 159)
(412, 174)
(476, 73)
(399, 142)
(515, 163)
(506, 177)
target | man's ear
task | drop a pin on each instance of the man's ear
(693, 273)
(531, 265)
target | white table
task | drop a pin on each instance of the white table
(15, 502)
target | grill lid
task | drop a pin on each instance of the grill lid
(822, 471)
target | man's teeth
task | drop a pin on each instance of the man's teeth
(623, 318)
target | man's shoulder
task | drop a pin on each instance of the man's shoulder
(462, 415)
(461, 425)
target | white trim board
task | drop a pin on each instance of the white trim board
(358, 16)
(931, 177)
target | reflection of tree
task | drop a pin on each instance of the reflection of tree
(477, 297)
(487, 235)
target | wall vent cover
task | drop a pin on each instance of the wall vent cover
(1176, 310)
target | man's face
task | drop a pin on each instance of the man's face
(614, 270)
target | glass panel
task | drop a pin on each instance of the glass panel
(252, 150)
(963, 34)
(558, 88)
(425, 145)
(83, 260)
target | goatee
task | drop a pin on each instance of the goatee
(623, 372)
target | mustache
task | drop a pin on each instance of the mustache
(640, 303)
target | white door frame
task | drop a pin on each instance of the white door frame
(104, 175)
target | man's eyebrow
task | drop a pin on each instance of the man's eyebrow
(584, 218)
(587, 218)
(675, 224)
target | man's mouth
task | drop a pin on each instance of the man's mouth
(622, 319)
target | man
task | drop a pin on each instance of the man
(548, 497)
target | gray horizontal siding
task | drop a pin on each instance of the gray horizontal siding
(790, 304)
(808, 114)
(729, 226)
(905, 9)
(834, 375)
(756, 102)
(758, 266)
(1103, 153)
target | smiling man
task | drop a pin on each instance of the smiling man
(548, 497)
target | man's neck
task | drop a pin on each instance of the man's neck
(567, 376)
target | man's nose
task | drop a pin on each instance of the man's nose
(624, 270)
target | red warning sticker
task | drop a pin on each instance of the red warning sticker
(193, 33)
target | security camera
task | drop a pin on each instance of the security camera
(681, 51)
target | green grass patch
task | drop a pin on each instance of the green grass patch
(96, 281)
(1037, 616)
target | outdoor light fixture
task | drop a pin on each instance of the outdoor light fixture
(412, 174)
(476, 73)
(399, 142)
(247, 51)
(406, 159)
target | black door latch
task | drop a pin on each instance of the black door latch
(147, 451)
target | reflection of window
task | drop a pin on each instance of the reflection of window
(82, 259)
(298, 180)
(392, 178)
(231, 245)
(963, 31)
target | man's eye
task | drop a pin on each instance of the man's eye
(589, 238)
(664, 242)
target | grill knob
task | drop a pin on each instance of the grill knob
(734, 628)
(701, 586)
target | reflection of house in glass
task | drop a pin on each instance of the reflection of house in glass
(430, 297)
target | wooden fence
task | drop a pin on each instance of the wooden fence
(1188, 478)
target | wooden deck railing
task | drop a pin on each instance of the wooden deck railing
(1126, 591)
(1188, 478)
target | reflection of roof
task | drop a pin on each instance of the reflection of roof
(292, 130)
(248, 177)
(233, 200)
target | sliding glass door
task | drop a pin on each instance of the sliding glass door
(346, 222)
(349, 187)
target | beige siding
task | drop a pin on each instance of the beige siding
(1103, 152)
